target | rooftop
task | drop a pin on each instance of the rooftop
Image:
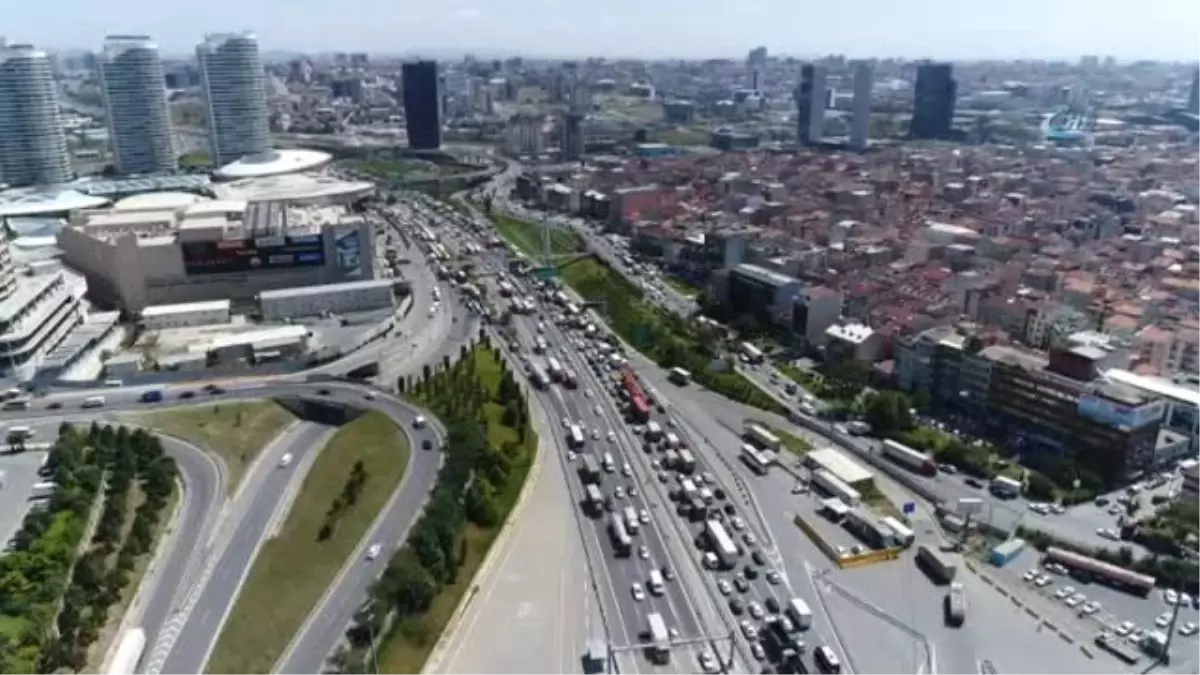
(296, 187)
(46, 200)
(185, 308)
(840, 465)
(1155, 385)
(850, 332)
(272, 163)
(124, 186)
(157, 200)
(304, 291)
(764, 275)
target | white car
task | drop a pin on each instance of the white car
(644, 516)
(749, 630)
(724, 587)
(619, 493)
(595, 434)
(1030, 575)
(285, 461)
(708, 662)
(1187, 629)
(1064, 592)
(737, 523)
(756, 610)
(644, 552)
(1089, 608)
(612, 437)
(1185, 599)
(1163, 620)
(1042, 581)
(598, 410)
(373, 551)
(1125, 628)
(1170, 596)
(627, 470)
(566, 422)
(1075, 600)
(639, 593)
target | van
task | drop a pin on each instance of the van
(711, 561)
(93, 402)
(826, 660)
(610, 464)
(656, 584)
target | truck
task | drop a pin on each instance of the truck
(800, 614)
(955, 605)
(913, 460)
(653, 431)
(660, 640)
(595, 500)
(686, 462)
(632, 524)
(589, 469)
(939, 566)
(720, 544)
(575, 437)
(781, 646)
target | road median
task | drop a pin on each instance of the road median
(341, 495)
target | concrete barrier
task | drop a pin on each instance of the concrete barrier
(872, 558)
(1086, 652)
(1032, 613)
(826, 548)
(1066, 638)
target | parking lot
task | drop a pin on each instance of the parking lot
(810, 506)
(18, 475)
(1085, 609)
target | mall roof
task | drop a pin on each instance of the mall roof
(295, 188)
(158, 200)
(125, 186)
(1154, 385)
(273, 162)
(45, 200)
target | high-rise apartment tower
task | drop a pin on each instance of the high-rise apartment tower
(139, 124)
(235, 93)
(33, 149)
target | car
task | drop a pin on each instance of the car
(737, 606)
(756, 610)
(750, 539)
(1101, 501)
(948, 468)
(663, 477)
(286, 460)
(773, 577)
(724, 587)
(627, 470)
(566, 422)
(598, 410)
(708, 662)
(54, 405)
(323, 392)
(750, 572)
(644, 552)
(729, 509)
(1075, 600)
(668, 573)
(749, 630)
(638, 592)
(1030, 575)
(1137, 636)
(612, 437)
(772, 604)
(1163, 620)
(571, 456)
(742, 585)
(1125, 628)
(185, 395)
(799, 488)
(426, 444)
(644, 517)
(1042, 581)
(974, 482)
(708, 479)
(632, 490)
(370, 396)
(595, 434)
(1185, 599)
(1090, 607)
(619, 493)
(1170, 596)
(1108, 533)
(737, 523)
(757, 651)
(1188, 628)
(1064, 592)
(758, 557)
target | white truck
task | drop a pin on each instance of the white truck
(799, 613)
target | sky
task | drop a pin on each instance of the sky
(948, 29)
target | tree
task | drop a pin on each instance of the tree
(888, 413)
(413, 587)
(1038, 487)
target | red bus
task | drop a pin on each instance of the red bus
(640, 408)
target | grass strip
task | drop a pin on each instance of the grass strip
(293, 570)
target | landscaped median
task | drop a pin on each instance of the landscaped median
(669, 340)
(490, 447)
(342, 494)
(235, 432)
(527, 236)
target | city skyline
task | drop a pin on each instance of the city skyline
(666, 29)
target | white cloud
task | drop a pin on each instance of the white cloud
(468, 13)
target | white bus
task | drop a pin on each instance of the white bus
(751, 353)
(914, 460)
(759, 461)
(721, 544)
(621, 542)
(763, 438)
(835, 487)
(660, 639)
(904, 536)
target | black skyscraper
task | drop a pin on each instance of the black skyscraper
(422, 105)
(933, 101)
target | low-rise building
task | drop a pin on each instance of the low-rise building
(353, 296)
(208, 312)
(852, 342)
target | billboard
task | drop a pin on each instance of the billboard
(349, 254)
(1114, 414)
(246, 255)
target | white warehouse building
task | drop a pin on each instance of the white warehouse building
(352, 296)
(208, 312)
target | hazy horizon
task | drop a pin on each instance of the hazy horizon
(686, 29)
